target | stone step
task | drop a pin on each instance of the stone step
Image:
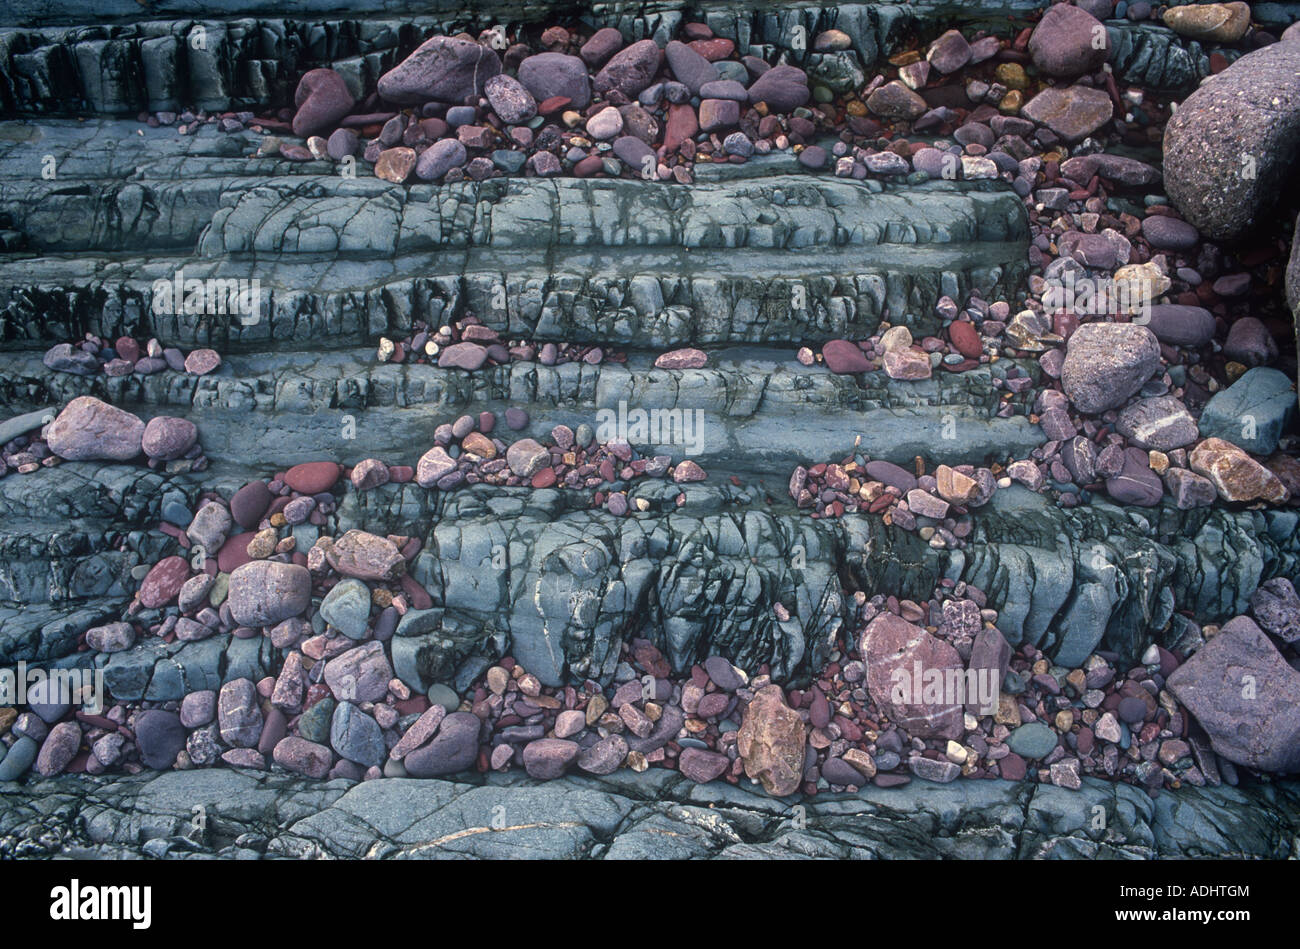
(738, 382)
(637, 816)
(746, 412)
(73, 533)
(780, 258)
(540, 575)
(253, 62)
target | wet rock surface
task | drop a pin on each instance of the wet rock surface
(280, 816)
(1070, 501)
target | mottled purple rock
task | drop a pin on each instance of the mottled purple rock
(360, 674)
(949, 52)
(689, 67)
(321, 99)
(1245, 696)
(718, 114)
(605, 756)
(990, 656)
(630, 70)
(453, 749)
(1180, 325)
(441, 69)
(249, 504)
(702, 766)
(1106, 363)
(526, 457)
(1188, 489)
(239, 715)
(112, 637)
(433, 466)
(58, 749)
(160, 737)
(1117, 168)
(1073, 113)
(892, 645)
(783, 88)
(421, 731)
(198, 708)
(264, 592)
(342, 144)
(510, 99)
(1162, 423)
(64, 357)
(163, 582)
(635, 153)
(1249, 342)
(549, 758)
(682, 359)
(439, 158)
(1168, 233)
(1277, 608)
(891, 474)
(548, 75)
(843, 357)
(1068, 42)
(166, 437)
(303, 757)
(1136, 483)
(603, 44)
(91, 430)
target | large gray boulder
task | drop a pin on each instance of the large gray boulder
(1105, 363)
(1230, 146)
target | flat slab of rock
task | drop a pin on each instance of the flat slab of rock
(1245, 696)
(903, 663)
(1073, 113)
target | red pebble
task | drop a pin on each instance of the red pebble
(420, 599)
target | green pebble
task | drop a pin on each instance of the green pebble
(1034, 740)
(314, 724)
(442, 695)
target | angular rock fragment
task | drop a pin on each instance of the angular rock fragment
(1106, 363)
(1236, 475)
(1245, 696)
(911, 673)
(771, 742)
(441, 69)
